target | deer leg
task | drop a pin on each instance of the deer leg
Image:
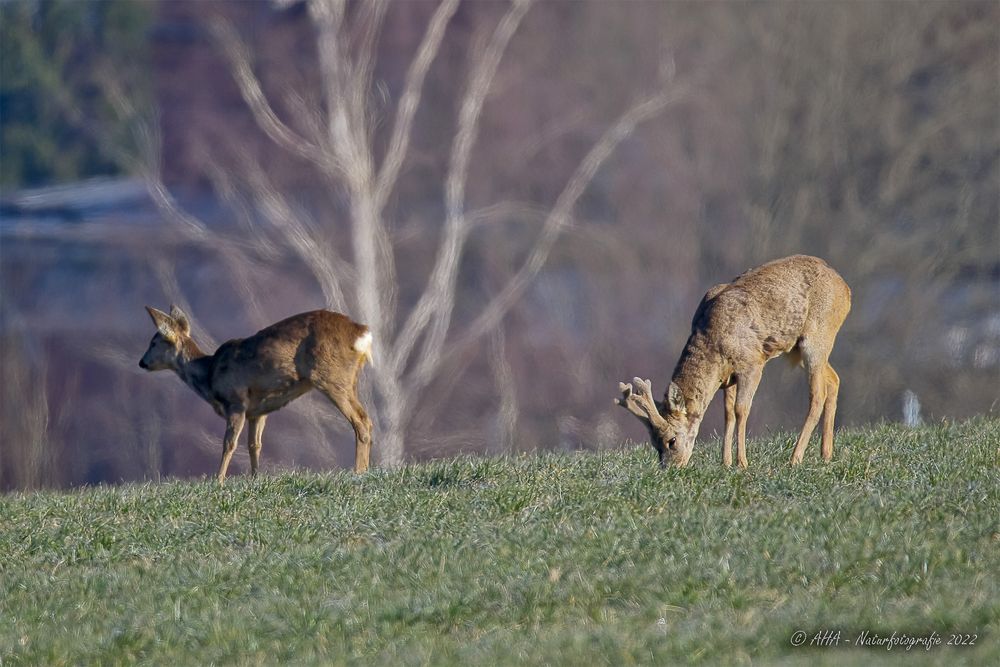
(746, 387)
(255, 441)
(347, 402)
(727, 441)
(817, 395)
(234, 425)
(829, 411)
(362, 435)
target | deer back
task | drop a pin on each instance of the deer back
(770, 309)
(286, 359)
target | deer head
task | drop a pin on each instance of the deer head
(169, 343)
(671, 433)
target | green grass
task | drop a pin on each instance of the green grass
(593, 559)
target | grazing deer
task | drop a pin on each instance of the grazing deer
(792, 306)
(248, 378)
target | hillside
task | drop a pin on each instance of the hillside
(572, 559)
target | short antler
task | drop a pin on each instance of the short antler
(638, 399)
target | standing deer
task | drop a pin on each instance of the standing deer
(792, 306)
(248, 378)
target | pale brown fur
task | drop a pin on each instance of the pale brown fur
(794, 306)
(250, 377)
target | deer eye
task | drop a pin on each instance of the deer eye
(672, 444)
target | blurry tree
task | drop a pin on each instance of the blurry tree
(337, 135)
(27, 458)
(869, 151)
(56, 57)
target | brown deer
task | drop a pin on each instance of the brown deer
(248, 378)
(792, 306)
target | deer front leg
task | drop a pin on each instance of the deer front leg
(255, 442)
(727, 440)
(746, 387)
(234, 425)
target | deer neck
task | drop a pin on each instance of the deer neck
(699, 374)
(194, 369)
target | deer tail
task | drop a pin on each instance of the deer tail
(363, 346)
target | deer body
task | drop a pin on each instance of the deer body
(246, 379)
(794, 306)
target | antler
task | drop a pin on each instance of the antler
(638, 399)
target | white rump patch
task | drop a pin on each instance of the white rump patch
(363, 345)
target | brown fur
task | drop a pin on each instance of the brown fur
(248, 378)
(795, 306)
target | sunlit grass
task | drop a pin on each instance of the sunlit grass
(572, 559)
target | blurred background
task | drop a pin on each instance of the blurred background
(525, 201)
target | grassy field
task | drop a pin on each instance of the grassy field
(572, 559)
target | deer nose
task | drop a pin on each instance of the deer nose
(142, 364)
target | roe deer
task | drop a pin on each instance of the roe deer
(248, 378)
(793, 306)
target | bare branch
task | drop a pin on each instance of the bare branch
(308, 115)
(320, 260)
(505, 210)
(345, 94)
(373, 17)
(239, 59)
(410, 100)
(194, 228)
(503, 376)
(147, 158)
(557, 220)
(148, 168)
(329, 13)
(437, 298)
(533, 143)
(170, 209)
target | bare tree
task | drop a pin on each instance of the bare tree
(411, 343)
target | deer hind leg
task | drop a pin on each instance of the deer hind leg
(347, 402)
(362, 435)
(817, 396)
(746, 387)
(727, 441)
(830, 411)
(255, 441)
(234, 426)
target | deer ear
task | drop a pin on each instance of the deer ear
(164, 323)
(180, 319)
(675, 399)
